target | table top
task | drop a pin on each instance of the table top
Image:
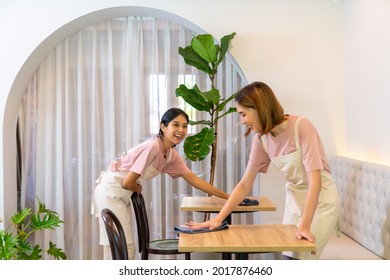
(246, 239)
(212, 204)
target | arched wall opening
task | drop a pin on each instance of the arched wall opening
(32, 62)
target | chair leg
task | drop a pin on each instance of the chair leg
(188, 256)
(144, 255)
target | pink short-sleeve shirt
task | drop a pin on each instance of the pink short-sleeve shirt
(150, 152)
(313, 157)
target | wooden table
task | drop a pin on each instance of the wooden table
(213, 204)
(246, 239)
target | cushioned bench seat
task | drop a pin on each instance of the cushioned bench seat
(345, 248)
(364, 189)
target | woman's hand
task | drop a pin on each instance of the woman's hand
(305, 234)
(210, 224)
(130, 182)
(134, 188)
(138, 188)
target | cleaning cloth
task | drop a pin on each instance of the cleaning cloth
(185, 229)
(249, 202)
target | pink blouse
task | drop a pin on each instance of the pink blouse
(313, 155)
(150, 152)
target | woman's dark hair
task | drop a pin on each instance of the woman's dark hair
(260, 97)
(169, 116)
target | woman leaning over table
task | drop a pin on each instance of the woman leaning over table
(293, 146)
(144, 162)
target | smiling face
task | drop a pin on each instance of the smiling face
(259, 108)
(248, 117)
(175, 131)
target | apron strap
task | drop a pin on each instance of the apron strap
(296, 133)
(263, 138)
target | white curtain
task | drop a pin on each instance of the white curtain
(98, 93)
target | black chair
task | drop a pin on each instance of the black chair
(116, 235)
(146, 246)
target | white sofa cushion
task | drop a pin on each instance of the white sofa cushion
(364, 189)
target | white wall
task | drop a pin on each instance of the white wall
(368, 80)
(295, 46)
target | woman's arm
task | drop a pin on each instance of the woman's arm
(130, 182)
(314, 181)
(202, 185)
(240, 191)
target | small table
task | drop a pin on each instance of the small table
(246, 239)
(213, 204)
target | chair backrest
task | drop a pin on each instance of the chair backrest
(116, 235)
(141, 217)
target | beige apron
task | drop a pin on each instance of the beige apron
(327, 210)
(109, 193)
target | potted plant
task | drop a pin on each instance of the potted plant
(14, 240)
(206, 56)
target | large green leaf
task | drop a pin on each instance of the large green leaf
(225, 43)
(8, 245)
(197, 147)
(193, 59)
(212, 96)
(56, 252)
(204, 46)
(21, 216)
(43, 209)
(31, 254)
(222, 105)
(49, 221)
(194, 97)
(204, 122)
(50, 218)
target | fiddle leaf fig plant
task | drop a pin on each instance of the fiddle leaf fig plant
(205, 55)
(14, 241)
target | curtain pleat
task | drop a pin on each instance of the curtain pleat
(98, 93)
